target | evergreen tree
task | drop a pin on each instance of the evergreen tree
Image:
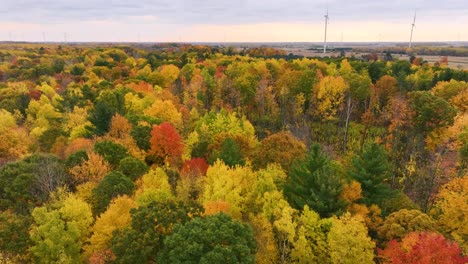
(315, 182)
(371, 168)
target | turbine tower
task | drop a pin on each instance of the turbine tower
(325, 40)
(412, 28)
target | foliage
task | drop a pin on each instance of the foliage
(214, 239)
(315, 182)
(422, 248)
(143, 240)
(113, 185)
(348, 241)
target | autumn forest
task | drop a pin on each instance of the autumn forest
(179, 153)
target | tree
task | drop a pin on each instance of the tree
(422, 248)
(166, 112)
(116, 217)
(214, 239)
(111, 152)
(28, 182)
(371, 169)
(398, 224)
(107, 105)
(282, 148)
(153, 187)
(430, 112)
(315, 182)
(230, 185)
(14, 231)
(230, 153)
(94, 168)
(310, 244)
(348, 241)
(113, 185)
(166, 143)
(451, 210)
(329, 93)
(132, 168)
(144, 239)
(60, 229)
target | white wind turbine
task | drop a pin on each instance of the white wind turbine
(412, 28)
(325, 40)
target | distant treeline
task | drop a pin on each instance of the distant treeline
(422, 50)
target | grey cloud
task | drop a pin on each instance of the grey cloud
(225, 12)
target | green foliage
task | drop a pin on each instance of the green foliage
(230, 153)
(26, 183)
(60, 230)
(144, 239)
(132, 168)
(107, 105)
(372, 170)
(315, 182)
(430, 112)
(14, 234)
(110, 151)
(113, 185)
(214, 239)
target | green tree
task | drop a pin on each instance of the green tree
(230, 153)
(14, 234)
(430, 112)
(315, 182)
(214, 239)
(107, 105)
(132, 168)
(110, 151)
(371, 169)
(60, 229)
(144, 239)
(113, 185)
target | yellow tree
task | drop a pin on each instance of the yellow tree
(14, 140)
(60, 229)
(329, 94)
(91, 170)
(451, 210)
(348, 241)
(115, 217)
(228, 184)
(153, 186)
(165, 110)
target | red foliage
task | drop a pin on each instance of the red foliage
(195, 167)
(166, 142)
(35, 94)
(422, 248)
(142, 87)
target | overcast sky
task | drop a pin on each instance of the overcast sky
(233, 20)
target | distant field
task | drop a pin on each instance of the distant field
(454, 62)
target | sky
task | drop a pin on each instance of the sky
(232, 21)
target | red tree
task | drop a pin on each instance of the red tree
(422, 248)
(195, 167)
(166, 143)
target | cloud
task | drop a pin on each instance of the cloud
(224, 12)
(288, 20)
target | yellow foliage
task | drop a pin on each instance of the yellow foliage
(94, 169)
(153, 186)
(115, 217)
(330, 92)
(165, 111)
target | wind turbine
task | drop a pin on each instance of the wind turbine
(325, 40)
(412, 28)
